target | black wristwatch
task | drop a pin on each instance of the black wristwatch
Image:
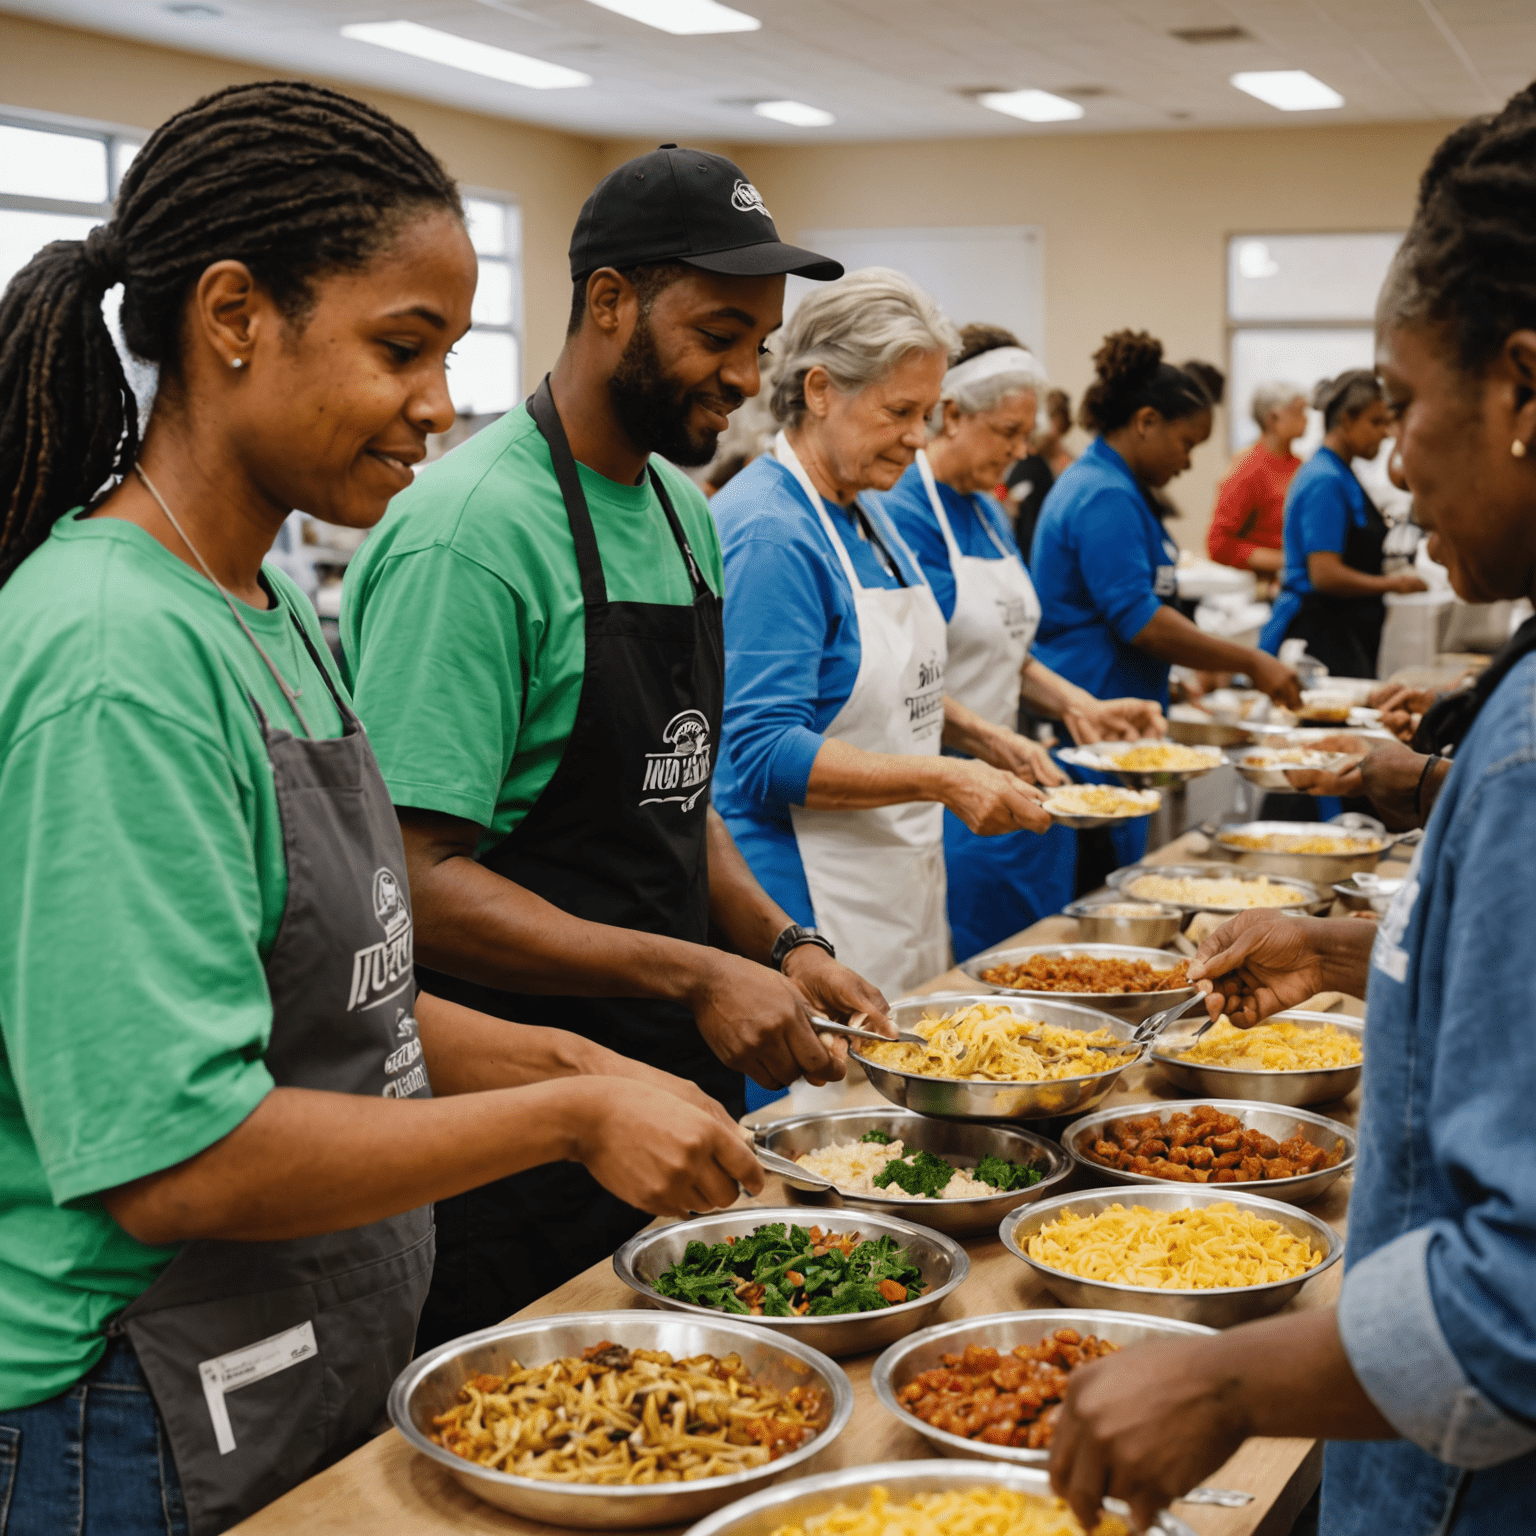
(792, 938)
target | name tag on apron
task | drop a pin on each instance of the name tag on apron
(240, 1367)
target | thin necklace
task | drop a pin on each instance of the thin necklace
(292, 694)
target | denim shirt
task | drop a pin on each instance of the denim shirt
(1438, 1309)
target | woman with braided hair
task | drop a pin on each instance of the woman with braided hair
(1421, 1378)
(218, 1142)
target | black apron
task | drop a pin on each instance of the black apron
(618, 836)
(269, 1361)
(1344, 633)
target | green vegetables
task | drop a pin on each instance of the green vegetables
(1001, 1174)
(877, 1136)
(923, 1174)
(779, 1272)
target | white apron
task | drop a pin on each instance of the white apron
(995, 619)
(876, 877)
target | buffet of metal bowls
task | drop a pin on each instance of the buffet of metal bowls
(807, 1497)
(1314, 1085)
(1101, 757)
(1308, 897)
(1152, 927)
(957, 1141)
(1133, 1007)
(1263, 767)
(1373, 894)
(978, 1099)
(1320, 868)
(1218, 1307)
(1279, 1123)
(1002, 1331)
(943, 1262)
(430, 1385)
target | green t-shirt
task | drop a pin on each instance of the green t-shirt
(142, 884)
(463, 624)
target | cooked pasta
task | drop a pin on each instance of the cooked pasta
(1156, 756)
(1217, 892)
(1287, 842)
(1279, 1046)
(627, 1416)
(989, 1042)
(1205, 1248)
(1101, 800)
(987, 1511)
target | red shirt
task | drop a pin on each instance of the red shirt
(1250, 506)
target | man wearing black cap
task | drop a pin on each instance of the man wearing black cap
(534, 638)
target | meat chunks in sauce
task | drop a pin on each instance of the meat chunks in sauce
(1205, 1146)
(999, 1399)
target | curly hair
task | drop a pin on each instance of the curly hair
(1130, 374)
(290, 178)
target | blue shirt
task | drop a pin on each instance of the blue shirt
(1324, 501)
(1438, 1308)
(908, 507)
(1102, 565)
(791, 657)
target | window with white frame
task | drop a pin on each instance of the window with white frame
(1299, 309)
(484, 371)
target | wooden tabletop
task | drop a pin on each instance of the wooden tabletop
(385, 1488)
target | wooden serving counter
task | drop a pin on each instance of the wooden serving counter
(385, 1489)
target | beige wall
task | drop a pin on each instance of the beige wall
(86, 74)
(1135, 225)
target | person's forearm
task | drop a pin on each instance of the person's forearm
(966, 731)
(847, 778)
(1265, 561)
(1344, 949)
(738, 905)
(470, 1052)
(1288, 1377)
(304, 1162)
(1330, 576)
(1169, 636)
(471, 922)
(1048, 693)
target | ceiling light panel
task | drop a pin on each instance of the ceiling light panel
(795, 113)
(464, 53)
(1032, 106)
(1291, 90)
(683, 18)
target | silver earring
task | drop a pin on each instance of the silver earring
(237, 362)
(1517, 448)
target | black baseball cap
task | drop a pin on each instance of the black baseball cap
(685, 205)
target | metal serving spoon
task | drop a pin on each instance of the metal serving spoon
(788, 1168)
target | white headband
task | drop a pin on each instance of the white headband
(989, 365)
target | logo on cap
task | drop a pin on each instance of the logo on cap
(748, 199)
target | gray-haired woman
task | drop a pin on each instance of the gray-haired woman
(830, 776)
(1250, 505)
(944, 509)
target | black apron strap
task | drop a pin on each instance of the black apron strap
(541, 406)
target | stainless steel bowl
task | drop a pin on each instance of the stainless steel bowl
(976, 1099)
(807, 1497)
(1100, 758)
(953, 1140)
(1002, 1331)
(1088, 821)
(430, 1386)
(1320, 868)
(1321, 1085)
(1218, 1308)
(1259, 767)
(1279, 1123)
(1308, 897)
(941, 1259)
(1357, 898)
(1191, 727)
(1133, 1007)
(1155, 925)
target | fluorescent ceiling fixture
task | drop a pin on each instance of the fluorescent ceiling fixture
(463, 53)
(683, 17)
(795, 113)
(1292, 90)
(1032, 106)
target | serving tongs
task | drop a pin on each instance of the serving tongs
(1149, 1029)
(853, 1032)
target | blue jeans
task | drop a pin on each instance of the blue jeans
(93, 1461)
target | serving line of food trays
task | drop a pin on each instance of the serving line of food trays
(957, 1098)
(1279, 1123)
(1130, 1007)
(956, 1141)
(1217, 1306)
(1108, 757)
(1294, 1088)
(1280, 849)
(430, 1386)
(1308, 897)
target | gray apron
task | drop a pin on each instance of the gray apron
(269, 1361)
